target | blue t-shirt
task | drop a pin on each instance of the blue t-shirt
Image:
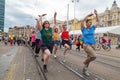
(88, 35)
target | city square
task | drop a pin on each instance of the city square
(59, 40)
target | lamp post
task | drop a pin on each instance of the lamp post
(75, 1)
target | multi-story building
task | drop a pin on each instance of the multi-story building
(2, 11)
(111, 17)
(20, 31)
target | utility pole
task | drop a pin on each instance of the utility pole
(67, 14)
(75, 1)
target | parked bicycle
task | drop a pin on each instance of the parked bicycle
(105, 46)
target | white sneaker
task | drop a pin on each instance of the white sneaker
(64, 60)
(86, 73)
(55, 56)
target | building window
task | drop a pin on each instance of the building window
(105, 19)
(114, 16)
(110, 17)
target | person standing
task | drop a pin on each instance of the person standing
(14, 40)
(79, 42)
(38, 41)
(88, 32)
(33, 39)
(11, 40)
(109, 42)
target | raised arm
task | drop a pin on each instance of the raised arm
(61, 28)
(97, 18)
(39, 21)
(82, 22)
(37, 25)
(55, 14)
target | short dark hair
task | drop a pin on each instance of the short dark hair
(87, 20)
(64, 26)
(55, 30)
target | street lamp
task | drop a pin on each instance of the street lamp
(75, 1)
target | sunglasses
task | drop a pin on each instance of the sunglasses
(46, 23)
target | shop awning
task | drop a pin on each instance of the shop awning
(111, 29)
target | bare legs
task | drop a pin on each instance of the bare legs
(55, 50)
(46, 57)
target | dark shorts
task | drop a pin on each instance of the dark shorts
(48, 45)
(65, 42)
(57, 42)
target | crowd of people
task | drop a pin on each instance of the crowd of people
(13, 40)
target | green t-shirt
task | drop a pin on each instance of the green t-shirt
(46, 35)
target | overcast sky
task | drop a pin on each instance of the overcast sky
(24, 12)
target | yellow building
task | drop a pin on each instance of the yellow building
(77, 23)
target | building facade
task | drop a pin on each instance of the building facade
(21, 31)
(111, 17)
(76, 24)
(2, 11)
(58, 22)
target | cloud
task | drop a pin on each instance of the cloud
(24, 12)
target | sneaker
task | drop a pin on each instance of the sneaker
(36, 55)
(45, 68)
(42, 60)
(86, 73)
(55, 56)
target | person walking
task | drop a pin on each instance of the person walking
(88, 32)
